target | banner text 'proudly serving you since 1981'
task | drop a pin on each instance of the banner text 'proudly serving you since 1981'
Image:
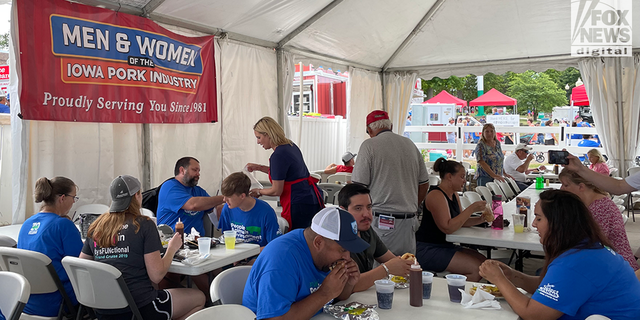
(104, 66)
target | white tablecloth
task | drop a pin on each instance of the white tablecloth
(438, 307)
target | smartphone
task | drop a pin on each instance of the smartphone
(558, 157)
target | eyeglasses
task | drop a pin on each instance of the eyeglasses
(75, 198)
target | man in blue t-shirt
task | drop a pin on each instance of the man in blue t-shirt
(4, 108)
(181, 198)
(293, 276)
(253, 220)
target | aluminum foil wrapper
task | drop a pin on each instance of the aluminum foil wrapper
(352, 311)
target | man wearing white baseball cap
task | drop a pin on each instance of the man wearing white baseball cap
(301, 271)
(517, 165)
(348, 159)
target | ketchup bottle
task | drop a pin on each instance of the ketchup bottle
(415, 285)
(180, 230)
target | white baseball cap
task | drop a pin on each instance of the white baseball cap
(339, 225)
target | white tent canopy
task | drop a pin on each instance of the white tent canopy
(258, 42)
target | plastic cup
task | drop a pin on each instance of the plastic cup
(518, 223)
(384, 291)
(427, 282)
(230, 239)
(204, 245)
(455, 282)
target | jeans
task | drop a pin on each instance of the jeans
(482, 180)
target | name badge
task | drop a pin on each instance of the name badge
(386, 222)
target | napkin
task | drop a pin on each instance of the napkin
(480, 300)
(192, 236)
(193, 257)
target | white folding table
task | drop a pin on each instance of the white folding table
(438, 307)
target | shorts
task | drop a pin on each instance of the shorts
(549, 142)
(435, 257)
(160, 308)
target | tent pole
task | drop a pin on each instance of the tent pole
(301, 105)
(146, 156)
(385, 106)
(280, 84)
(621, 143)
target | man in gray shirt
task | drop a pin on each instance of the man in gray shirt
(394, 170)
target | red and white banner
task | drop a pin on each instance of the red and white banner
(83, 63)
(4, 79)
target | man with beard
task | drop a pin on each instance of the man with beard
(356, 200)
(181, 198)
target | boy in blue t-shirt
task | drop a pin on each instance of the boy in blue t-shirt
(253, 220)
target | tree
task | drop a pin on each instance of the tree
(536, 91)
(452, 84)
(4, 41)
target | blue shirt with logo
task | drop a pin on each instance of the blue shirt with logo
(258, 225)
(56, 237)
(283, 274)
(173, 195)
(583, 282)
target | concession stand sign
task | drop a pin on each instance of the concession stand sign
(82, 63)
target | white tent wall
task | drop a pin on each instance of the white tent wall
(364, 94)
(323, 140)
(90, 154)
(398, 88)
(599, 75)
(5, 170)
(248, 92)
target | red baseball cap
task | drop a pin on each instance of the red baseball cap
(376, 115)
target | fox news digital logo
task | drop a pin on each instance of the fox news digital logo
(601, 28)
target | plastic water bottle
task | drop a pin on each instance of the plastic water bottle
(539, 183)
(496, 207)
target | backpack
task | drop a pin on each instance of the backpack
(150, 198)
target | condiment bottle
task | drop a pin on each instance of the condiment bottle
(524, 211)
(539, 183)
(415, 285)
(556, 168)
(547, 183)
(180, 230)
(496, 206)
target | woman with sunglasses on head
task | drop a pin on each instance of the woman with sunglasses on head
(125, 230)
(582, 275)
(52, 233)
(299, 195)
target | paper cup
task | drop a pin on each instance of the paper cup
(384, 292)
(455, 282)
(204, 245)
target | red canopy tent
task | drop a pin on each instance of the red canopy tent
(446, 97)
(493, 98)
(579, 96)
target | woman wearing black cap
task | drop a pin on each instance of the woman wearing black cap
(134, 239)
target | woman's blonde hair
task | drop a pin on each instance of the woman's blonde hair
(576, 179)
(596, 153)
(488, 125)
(104, 231)
(273, 130)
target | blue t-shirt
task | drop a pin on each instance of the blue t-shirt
(56, 237)
(283, 274)
(173, 195)
(258, 225)
(4, 108)
(580, 283)
(286, 163)
(588, 143)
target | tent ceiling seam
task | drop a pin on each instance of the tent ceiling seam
(308, 23)
(434, 8)
(487, 62)
(328, 58)
(150, 7)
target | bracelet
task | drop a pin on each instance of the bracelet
(386, 269)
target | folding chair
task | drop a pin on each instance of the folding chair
(485, 192)
(99, 286)
(514, 186)
(496, 190)
(331, 189)
(339, 177)
(40, 272)
(14, 294)
(506, 189)
(6, 241)
(228, 286)
(226, 311)
(472, 196)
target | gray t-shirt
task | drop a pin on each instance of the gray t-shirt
(128, 257)
(392, 167)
